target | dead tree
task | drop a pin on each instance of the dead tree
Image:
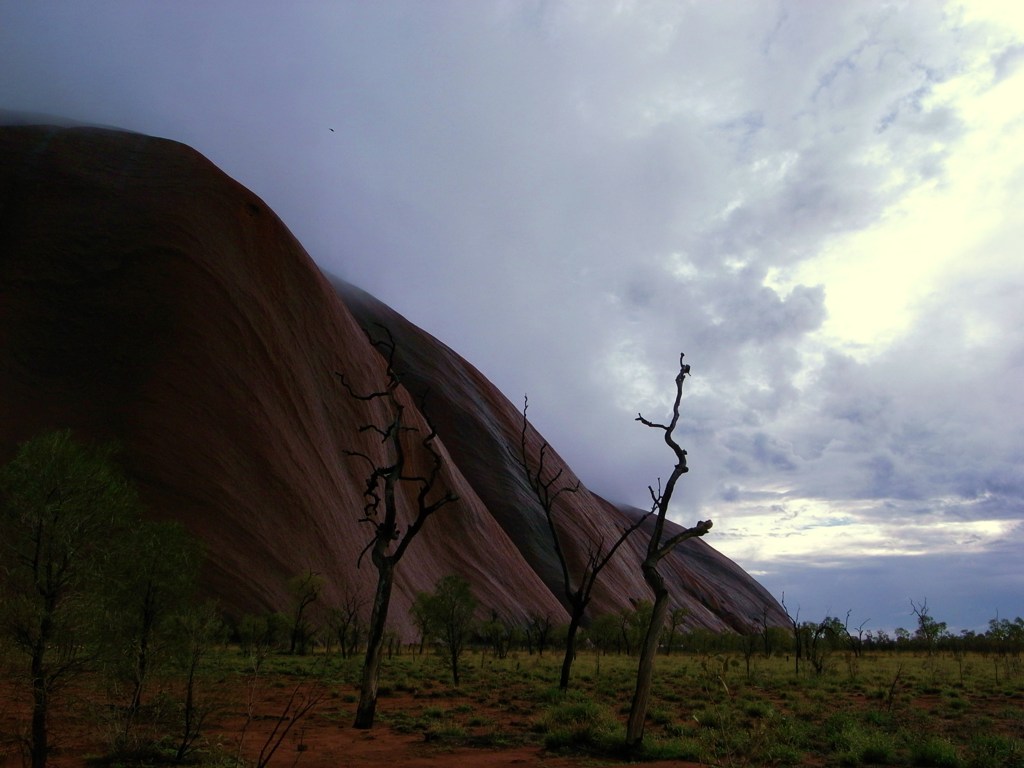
(675, 621)
(577, 591)
(346, 620)
(388, 542)
(305, 588)
(538, 630)
(657, 550)
(798, 646)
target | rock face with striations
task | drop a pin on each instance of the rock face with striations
(146, 297)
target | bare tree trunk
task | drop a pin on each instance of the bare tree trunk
(578, 597)
(189, 733)
(657, 550)
(797, 639)
(141, 670)
(570, 650)
(383, 480)
(649, 649)
(40, 748)
(367, 707)
(453, 660)
(40, 704)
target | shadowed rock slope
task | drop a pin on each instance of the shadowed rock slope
(146, 297)
(482, 430)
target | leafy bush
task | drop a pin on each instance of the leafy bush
(446, 732)
(683, 750)
(934, 751)
(994, 751)
(877, 749)
(577, 723)
(757, 709)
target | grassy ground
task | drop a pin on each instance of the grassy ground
(885, 709)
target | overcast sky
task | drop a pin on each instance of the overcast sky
(820, 203)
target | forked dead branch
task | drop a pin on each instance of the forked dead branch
(381, 509)
(657, 550)
(578, 590)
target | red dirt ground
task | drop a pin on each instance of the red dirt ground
(322, 739)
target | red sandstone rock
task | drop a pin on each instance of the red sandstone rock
(147, 297)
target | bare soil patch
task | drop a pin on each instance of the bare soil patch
(324, 738)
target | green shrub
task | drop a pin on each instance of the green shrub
(936, 752)
(446, 733)
(711, 718)
(879, 719)
(783, 754)
(877, 749)
(661, 716)
(994, 751)
(757, 709)
(577, 723)
(679, 749)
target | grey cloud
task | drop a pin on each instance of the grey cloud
(756, 313)
(570, 195)
(1006, 62)
(769, 453)
(885, 480)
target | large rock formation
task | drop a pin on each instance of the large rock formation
(147, 297)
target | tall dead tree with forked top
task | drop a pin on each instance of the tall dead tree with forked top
(388, 543)
(657, 550)
(577, 591)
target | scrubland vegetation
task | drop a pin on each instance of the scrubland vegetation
(105, 651)
(921, 698)
(717, 699)
(882, 709)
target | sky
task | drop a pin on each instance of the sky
(819, 203)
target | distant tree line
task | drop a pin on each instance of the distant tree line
(451, 621)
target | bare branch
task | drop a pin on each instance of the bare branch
(623, 535)
(382, 491)
(655, 497)
(356, 395)
(359, 455)
(656, 551)
(699, 529)
(548, 491)
(387, 344)
(647, 423)
(542, 491)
